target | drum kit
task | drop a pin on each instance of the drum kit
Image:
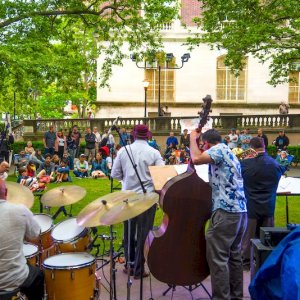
(61, 250)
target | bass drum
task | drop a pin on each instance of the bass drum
(70, 237)
(31, 253)
(70, 276)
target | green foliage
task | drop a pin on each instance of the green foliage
(51, 46)
(268, 30)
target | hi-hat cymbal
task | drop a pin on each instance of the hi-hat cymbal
(91, 214)
(129, 209)
(19, 194)
(63, 195)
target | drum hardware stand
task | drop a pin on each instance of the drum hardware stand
(189, 288)
(62, 209)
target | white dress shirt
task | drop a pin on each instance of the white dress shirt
(143, 156)
(16, 222)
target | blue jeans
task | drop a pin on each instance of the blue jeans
(80, 174)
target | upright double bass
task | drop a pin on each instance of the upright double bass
(176, 251)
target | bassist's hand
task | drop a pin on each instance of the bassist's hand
(195, 134)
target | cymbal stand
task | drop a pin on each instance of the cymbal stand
(62, 209)
(113, 289)
(128, 262)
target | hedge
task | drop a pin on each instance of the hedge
(293, 150)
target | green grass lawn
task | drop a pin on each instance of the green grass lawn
(99, 187)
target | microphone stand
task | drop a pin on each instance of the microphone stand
(128, 263)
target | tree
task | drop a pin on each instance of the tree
(266, 29)
(53, 41)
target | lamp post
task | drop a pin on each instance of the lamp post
(168, 57)
(15, 105)
(145, 85)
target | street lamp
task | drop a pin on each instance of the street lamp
(168, 57)
(145, 85)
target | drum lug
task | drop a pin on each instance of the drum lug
(52, 275)
(91, 271)
(72, 275)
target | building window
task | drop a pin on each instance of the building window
(229, 87)
(294, 87)
(167, 85)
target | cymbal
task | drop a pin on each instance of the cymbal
(91, 214)
(129, 209)
(19, 194)
(63, 195)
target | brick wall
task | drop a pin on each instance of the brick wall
(189, 10)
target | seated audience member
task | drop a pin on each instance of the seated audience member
(29, 149)
(168, 153)
(37, 157)
(46, 170)
(105, 151)
(282, 159)
(99, 168)
(28, 181)
(17, 222)
(67, 157)
(63, 172)
(4, 169)
(22, 160)
(56, 161)
(81, 167)
(31, 169)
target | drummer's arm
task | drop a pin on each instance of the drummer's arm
(33, 229)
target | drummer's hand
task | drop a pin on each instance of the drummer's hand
(195, 134)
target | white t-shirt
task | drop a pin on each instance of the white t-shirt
(16, 222)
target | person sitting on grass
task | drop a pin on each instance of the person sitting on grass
(37, 158)
(46, 170)
(63, 172)
(29, 149)
(81, 167)
(99, 168)
(28, 181)
(282, 159)
(31, 169)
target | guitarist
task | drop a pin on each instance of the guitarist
(229, 214)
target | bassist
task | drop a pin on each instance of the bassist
(229, 214)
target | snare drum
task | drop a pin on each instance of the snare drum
(31, 253)
(70, 276)
(70, 237)
(45, 240)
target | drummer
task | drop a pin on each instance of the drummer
(143, 156)
(16, 222)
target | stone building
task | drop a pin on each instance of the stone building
(181, 90)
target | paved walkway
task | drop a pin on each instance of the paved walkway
(157, 287)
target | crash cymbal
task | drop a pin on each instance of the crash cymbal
(91, 214)
(63, 195)
(129, 209)
(19, 194)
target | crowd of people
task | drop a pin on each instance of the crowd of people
(243, 193)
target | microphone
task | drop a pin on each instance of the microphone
(113, 127)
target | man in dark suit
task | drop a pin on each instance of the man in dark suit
(261, 176)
